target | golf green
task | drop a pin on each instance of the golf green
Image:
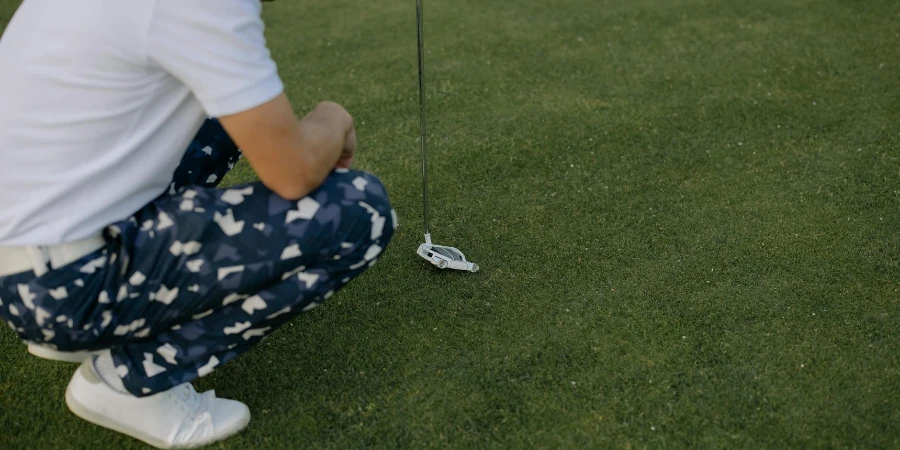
(686, 213)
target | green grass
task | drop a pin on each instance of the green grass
(687, 214)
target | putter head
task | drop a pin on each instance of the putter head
(446, 257)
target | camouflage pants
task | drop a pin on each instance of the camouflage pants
(201, 274)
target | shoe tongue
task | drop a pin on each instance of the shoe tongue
(189, 397)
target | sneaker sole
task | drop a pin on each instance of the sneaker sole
(87, 414)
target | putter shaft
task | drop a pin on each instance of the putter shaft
(421, 45)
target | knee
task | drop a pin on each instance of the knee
(374, 191)
(367, 202)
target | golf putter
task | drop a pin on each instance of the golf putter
(441, 256)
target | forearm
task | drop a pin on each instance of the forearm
(321, 135)
(291, 157)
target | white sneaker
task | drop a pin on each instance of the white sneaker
(177, 418)
(48, 353)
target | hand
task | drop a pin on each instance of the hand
(349, 150)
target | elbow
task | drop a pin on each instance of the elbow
(294, 188)
(290, 192)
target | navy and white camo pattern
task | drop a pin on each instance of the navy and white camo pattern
(201, 274)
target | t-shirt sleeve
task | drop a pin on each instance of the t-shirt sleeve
(217, 48)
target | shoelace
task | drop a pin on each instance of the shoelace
(187, 398)
(199, 421)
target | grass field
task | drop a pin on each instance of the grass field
(687, 214)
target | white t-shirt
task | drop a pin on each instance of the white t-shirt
(100, 98)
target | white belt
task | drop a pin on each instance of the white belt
(42, 259)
